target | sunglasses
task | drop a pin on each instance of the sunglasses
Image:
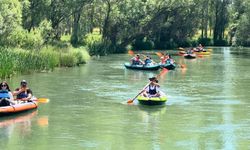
(3, 85)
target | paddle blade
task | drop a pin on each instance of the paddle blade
(130, 52)
(183, 66)
(42, 100)
(130, 101)
(200, 56)
(180, 48)
(159, 54)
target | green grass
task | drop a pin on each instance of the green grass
(19, 61)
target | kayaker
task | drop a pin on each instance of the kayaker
(164, 58)
(6, 97)
(153, 90)
(190, 51)
(24, 93)
(200, 48)
(136, 60)
(148, 61)
(170, 60)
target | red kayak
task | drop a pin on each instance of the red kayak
(7, 110)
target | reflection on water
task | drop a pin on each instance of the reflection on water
(19, 125)
(207, 108)
(151, 120)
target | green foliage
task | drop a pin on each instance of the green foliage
(98, 48)
(92, 38)
(68, 60)
(96, 45)
(81, 55)
(14, 61)
(243, 30)
(220, 42)
(10, 18)
(46, 31)
(143, 44)
(205, 41)
(21, 38)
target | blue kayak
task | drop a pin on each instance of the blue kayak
(142, 67)
(169, 66)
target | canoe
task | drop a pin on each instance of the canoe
(169, 66)
(142, 67)
(13, 109)
(189, 56)
(202, 53)
(152, 100)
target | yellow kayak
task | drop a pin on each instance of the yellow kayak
(202, 53)
(152, 100)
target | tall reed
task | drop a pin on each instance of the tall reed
(15, 61)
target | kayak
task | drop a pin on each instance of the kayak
(202, 53)
(142, 67)
(169, 66)
(13, 109)
(189, 56)
(152, 100)
(181, 53)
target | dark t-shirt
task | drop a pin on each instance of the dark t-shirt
(23, 94)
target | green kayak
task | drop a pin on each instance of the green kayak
(142, 67)
(152, 100)
(169, 66)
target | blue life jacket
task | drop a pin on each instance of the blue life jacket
(4, 94)
(148, 61)
(152, 91)
(168, 61)
(22, 95)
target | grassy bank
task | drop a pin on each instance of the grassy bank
(19, 61)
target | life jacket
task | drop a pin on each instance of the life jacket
(4, 94)
(168, 61)
(152, 91)
(148, 61)
(136, 61)
(22, 95)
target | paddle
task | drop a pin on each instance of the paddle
(159, 54)
(164, 70)
(182, 49)
(40, 100)
(130, 52)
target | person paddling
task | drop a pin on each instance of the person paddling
(6, 97)
(24, 93)
(136, 60)
(153, 90)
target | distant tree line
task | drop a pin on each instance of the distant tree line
(140, 24)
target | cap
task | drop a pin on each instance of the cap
(152, 79)
(23, 82)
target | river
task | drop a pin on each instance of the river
(208, 107)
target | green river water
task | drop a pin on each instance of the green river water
(208, 107)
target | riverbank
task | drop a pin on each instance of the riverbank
(19, 61)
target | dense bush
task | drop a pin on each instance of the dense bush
(220, 42)
(205, 41)
(142, 44)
